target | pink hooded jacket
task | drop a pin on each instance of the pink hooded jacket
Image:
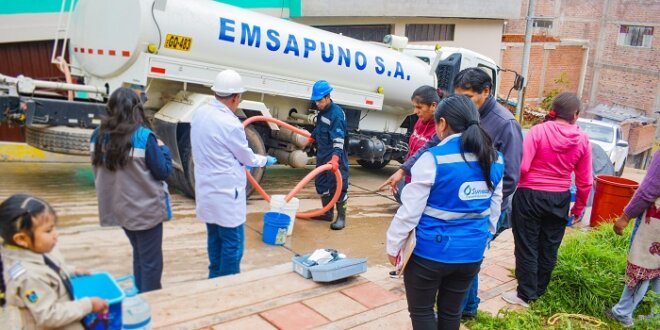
(551, 151)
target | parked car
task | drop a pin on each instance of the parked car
(609, 137)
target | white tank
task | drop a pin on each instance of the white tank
(108, 36)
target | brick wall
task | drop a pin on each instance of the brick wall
(545, 67)
(622, 73)
(627, 88)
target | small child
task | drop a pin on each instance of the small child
(35, 279)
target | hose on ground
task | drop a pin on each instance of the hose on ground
(305, 180)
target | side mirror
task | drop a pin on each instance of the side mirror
(518, 82)
(622, 143)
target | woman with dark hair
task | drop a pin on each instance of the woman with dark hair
(424, 99)
(551, 152)
(453, 203)
(130, 169)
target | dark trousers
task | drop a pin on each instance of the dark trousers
(147, 257)
(539, 221)
(427, 283)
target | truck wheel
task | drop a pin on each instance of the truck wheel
(186, 181)
(376, 165)
(623, 165)
(60, 139)
(257, 145)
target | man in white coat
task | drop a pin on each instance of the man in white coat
(221, 153)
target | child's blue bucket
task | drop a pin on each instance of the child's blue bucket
(100, 285)
(275, 228)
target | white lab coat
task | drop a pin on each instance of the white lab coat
(220, 152)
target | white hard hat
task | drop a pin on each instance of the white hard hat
(228, 82)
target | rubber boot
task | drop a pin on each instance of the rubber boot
(340, 223)
(330, 214)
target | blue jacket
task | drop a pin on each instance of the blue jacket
(454, 225)
(330, 132)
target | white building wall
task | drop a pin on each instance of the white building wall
(483, 36)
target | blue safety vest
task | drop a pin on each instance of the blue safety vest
(454, 225)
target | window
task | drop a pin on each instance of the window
(597, 132)
(543, 23)
(635, 36)
(430, 32)
(360, 32)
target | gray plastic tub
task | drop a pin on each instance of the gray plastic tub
(331, 271)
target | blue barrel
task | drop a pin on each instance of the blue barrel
(275, 227)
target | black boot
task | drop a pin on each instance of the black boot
(330, 214)
(341, 216)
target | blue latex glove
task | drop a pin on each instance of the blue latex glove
(573, 219)
(249, 168)
(270, 160)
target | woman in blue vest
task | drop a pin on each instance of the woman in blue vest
(453, 202)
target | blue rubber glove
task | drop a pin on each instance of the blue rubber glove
(249, 168)
(270, 160)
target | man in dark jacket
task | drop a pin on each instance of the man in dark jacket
(507, 138)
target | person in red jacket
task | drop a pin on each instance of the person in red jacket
(424, 100)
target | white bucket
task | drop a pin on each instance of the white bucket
(277, 204)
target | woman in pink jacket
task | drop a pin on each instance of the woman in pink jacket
(551, 151)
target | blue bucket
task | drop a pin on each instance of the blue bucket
(100, 285)
(275, 228)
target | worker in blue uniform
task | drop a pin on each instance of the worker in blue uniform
(330, 135)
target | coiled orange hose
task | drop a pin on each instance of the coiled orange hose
(304, 181)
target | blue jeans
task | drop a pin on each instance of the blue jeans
(471, 301)
(225, 249)
(630, 298)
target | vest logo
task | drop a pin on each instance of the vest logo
(474, 190)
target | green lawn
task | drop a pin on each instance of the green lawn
(587, 279)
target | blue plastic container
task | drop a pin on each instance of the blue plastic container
(275, 228)
(100, 285)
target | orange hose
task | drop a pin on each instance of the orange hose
(304, 181)
(278, 122)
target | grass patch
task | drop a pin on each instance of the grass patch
(588, 278)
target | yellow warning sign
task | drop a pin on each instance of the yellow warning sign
(173, 41)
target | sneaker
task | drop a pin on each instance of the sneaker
(626, 323)
(512, 298)
(393, 274)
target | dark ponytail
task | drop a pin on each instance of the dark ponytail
(564, 106)
(462, 117)
(427, 95)
(113, 141)
(16, 214)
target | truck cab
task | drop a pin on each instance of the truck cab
(448, 61)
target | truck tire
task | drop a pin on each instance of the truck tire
(620, 171)
(376, 165)
(59, 139)
(186, 180)
(257, 145)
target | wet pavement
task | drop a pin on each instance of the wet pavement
(70, 189)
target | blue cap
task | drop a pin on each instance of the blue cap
(320, 89)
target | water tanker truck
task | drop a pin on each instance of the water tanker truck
(171, 50)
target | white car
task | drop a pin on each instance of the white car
(610, 138)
